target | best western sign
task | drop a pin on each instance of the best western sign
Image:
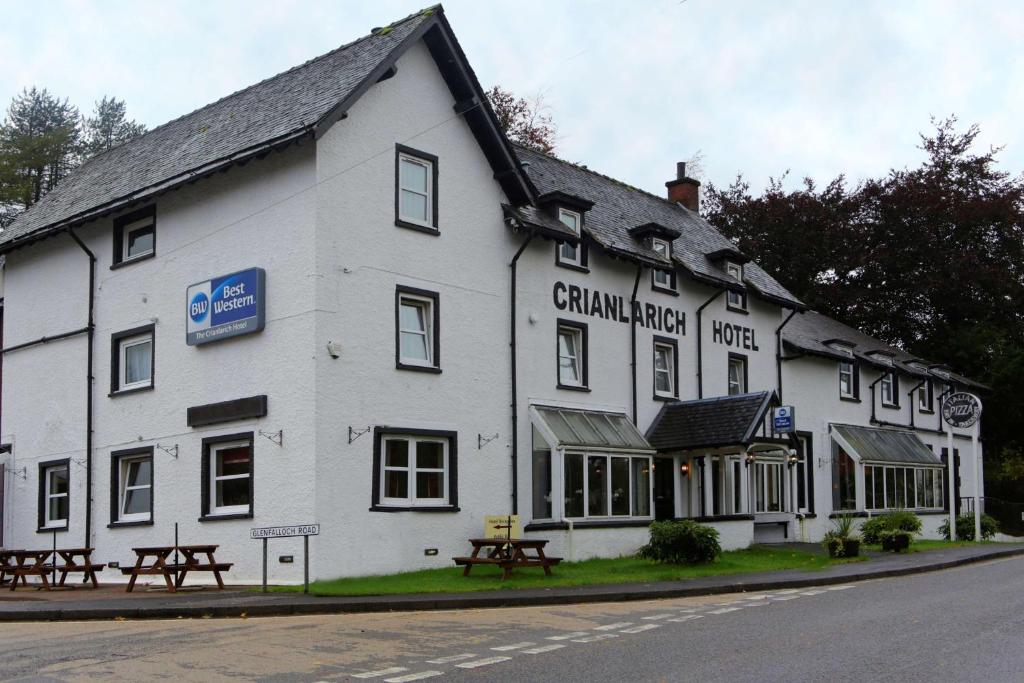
(226, 306)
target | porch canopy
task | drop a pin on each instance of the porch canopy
(737, 421)
(888, 446)
(575, 428)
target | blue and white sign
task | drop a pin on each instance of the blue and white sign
(226, 306)
(783, 420)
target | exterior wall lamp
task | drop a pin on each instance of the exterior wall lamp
(751, 458)
(685, 469)
(793, 457)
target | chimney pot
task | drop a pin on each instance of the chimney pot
(680, 170)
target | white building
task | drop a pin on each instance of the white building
(423, 325)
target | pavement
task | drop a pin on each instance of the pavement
(112, 603)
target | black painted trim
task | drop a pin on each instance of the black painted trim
(584, 264)
(433, 161)
(226, 411)
(721, 518)
(115, 359)
(851, 513)
(435, 317)
(585, 364)
(674, 344)
(119, 225)
(808, 438)
(205, 492)
(546, 526)
(895, 405)
(41, 520)
(115, 484)
(746, 371)
(611, 523)
(850, 399)
(453, 469)
(225, 518)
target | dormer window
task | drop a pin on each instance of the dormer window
(849, 384)
(889, 390)
(926, 397)
(736, 301)
(663, 279)
(134, 237)
(571, 255)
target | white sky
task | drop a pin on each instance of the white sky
(819, 88)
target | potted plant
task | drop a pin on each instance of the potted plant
(895, 540)
(840, 540)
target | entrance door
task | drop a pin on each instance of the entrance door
(664, 488)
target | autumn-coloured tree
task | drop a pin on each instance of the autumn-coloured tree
(525, 121)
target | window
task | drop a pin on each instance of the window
(847, 379)
(737, 374)
(889, 389)
(414, 469)
(415, 189)
(132, 361)
(54, 507)
(666, 372)
(735, 300)
(805, 475)
(603, 485)
(228, 476)
(417, 330)
(572, 355)
(899, 487)
(131, 486)
(571, 255)
(844, 480)
(664, 280)
(541, 477)
(926, 397)
(134, 237)
(768, 486)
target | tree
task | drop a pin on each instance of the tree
(525, 121)
(108, 127)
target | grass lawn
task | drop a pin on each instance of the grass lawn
(588, 572)
(924, 544)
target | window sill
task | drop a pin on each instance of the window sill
(660, 397)
(572, 266)
(570, 387)
(431, 369)
(737, 309)
(141, 522)
(133, 260)
(890, 406)
(413, 508)
(224, 518)
(851, 513)
(664, 290)
(925, 412)
(722, 518)
(428, 229)
(850, 399)
(48, 529)
(125, 392)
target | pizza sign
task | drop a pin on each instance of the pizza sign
(961, 410)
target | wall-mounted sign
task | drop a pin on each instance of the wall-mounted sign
(735, 335)
(285, 531)
(961, 410)
(615, 307)
(783, 420)
(226, 306)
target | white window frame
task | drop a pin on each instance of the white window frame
(735, 299)
(48, 495)
(926, 397)
(571, 254)
(578, 359)
(741, 379)
(412, 469)
(847, 368)
(427, 305)
(670, 351)
(660, 277)
(937, 483)
(761, 485)
(122, 371)
(586, 455)
(123, 488)
(887, 385)
(215, 450)
(136, 226)
(429, 195)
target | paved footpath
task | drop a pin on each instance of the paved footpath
(37, 606)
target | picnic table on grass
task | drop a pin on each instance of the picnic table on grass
(153, 562)
(509, 554)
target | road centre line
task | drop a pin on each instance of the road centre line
(641, 629)
(568, 636)
(414, 677)
(482, 662)
(659, 617)
(688, 617)
(381, 672)
(595, 638)
(451, 658)
(543, 648)
(513, 646)
(613, 627)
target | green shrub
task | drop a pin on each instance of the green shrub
(840, 538)
(965, 527)
(682, 542)
(895, 539)
(896, 520)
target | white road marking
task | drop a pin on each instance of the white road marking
(595, 638)
(761, 603)
(690, 610)
(451, 658)
(513, 646)
(482, 662)
(659, 617)
(382, 672)
(543, 648)
(725, 610)
(839, 588)
(688, 617)
(641, 629)
(812, 592)
(613, 627)
(759, 596)
(568, 636)
(786, 597)
(786, 591)
(414, 677)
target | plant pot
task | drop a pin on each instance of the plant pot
(851, 547)
(834, 546)
(896, 542)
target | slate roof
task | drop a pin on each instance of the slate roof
(811, 332)
(709, 422)
(532, 219)
(870, 444)
(619, 208)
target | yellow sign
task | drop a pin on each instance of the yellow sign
(502, 526)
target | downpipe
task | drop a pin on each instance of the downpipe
(91, 334)
(515, 390)
(700, 343)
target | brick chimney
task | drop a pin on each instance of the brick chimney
(684, 189)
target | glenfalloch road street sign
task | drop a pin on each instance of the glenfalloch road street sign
(961, 410)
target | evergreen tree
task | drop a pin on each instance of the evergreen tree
(108, 127)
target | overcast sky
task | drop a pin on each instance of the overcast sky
(818, 88)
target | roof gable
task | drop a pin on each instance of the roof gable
(710, 422)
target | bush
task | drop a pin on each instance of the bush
(965, 527)
(840, 540)
(897, 520)
(895, 539)
(682, 542)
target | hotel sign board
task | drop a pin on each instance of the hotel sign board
(783, 420)
(961, 410)
(225, 306)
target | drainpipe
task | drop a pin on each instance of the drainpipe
(91, 332)
(778, 350)
(872, 387)
(700, 364)
(632, 340)
(515, 392)
(910, 400)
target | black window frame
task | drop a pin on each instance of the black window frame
(41, 513)
(452, 437)
(805, 440)
(120, 223)
(584, 331)
(435, 328)
(207, 445)
(929, 388)
(895, 405)
(115, 486)
(742, 306)
(426, 157)
(855, 398)
(115, 359)
(674, 344)
(584, 265)
(673, 284)
(746, 373)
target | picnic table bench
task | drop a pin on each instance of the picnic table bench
(174, 573)
(84, 564)
(6, 564)
(507, 553)
(29, 563)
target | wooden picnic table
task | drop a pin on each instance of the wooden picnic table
(157, 565)
(84, 564)
(174, 573)
(194, 564)
(509, 554)
(6, 564)
(30, 563)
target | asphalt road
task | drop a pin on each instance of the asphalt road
(964, 624)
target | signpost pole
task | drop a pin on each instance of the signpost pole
(264, 564)
(305, 564)
(951, 492)
(977, 482)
